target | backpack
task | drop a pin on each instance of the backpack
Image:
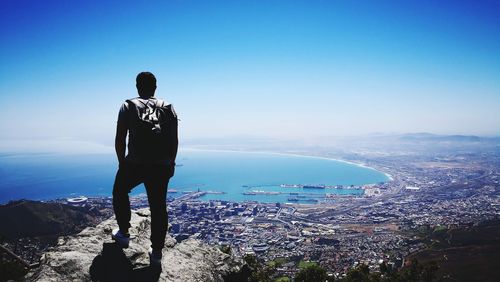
(155, 128)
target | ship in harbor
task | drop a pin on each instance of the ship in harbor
(313, 186)
(291, 185)
(320, 186)
(261, 192)
(303, 186)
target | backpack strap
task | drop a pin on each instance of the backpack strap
(132, 107)
(161, 103)
(129, 102)
(136, 102)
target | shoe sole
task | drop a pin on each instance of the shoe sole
(154, 262)
(122, 245)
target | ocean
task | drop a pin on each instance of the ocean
(51, 176)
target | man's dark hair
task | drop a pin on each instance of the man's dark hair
(146, 84)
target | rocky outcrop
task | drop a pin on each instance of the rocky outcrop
(93, 256)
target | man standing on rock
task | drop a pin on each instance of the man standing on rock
(151, 125)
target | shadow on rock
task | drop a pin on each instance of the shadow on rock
(113, 265)
(147, 274)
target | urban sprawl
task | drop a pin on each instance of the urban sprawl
(343, 231)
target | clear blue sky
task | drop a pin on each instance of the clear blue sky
(258, 68)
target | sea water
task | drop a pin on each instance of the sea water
(50, 176)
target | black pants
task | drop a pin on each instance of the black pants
(155, 178)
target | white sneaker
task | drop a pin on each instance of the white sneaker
(154, 258)
(121, 239)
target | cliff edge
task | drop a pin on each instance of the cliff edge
(92, 255)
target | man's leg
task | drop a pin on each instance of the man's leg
(156, 188)
(127, 177)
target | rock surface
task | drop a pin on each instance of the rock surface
(93, 256)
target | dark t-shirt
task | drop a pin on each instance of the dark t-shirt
(127, 117)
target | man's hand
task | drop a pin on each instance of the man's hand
(120, 142)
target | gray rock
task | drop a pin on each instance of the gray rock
(92, 256)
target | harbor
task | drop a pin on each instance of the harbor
(293, 193)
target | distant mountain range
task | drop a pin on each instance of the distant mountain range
(434, 137)
(420, 136)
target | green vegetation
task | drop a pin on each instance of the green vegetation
(225, 249)
(415, 272)
(311, 272)
(305, 264)
(260, 272)
(440, 229)
(279, 261)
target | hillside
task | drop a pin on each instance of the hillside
(38, 219)
(466, 253)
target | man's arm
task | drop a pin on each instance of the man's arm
(120, 141)
(175, 143)
(121, 133)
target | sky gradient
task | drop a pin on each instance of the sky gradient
(281, 69)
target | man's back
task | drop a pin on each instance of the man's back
(152, 130)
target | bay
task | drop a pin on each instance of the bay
(50, 176)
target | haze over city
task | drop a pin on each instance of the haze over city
(278, 69)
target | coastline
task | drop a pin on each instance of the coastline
(389, 176)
